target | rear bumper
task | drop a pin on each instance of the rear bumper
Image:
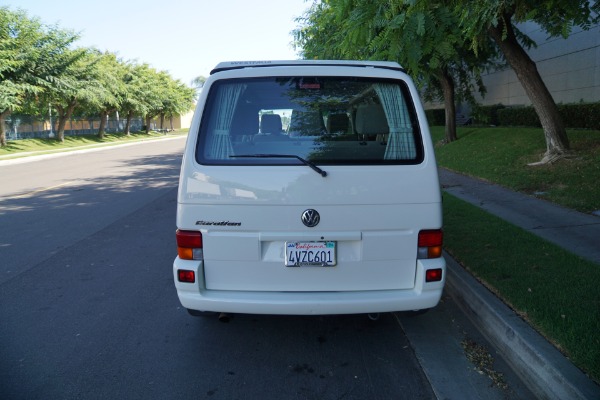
(424, 295)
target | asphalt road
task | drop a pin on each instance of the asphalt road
(88, 309)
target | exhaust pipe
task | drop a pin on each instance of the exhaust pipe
(373, 316)
(224, 317)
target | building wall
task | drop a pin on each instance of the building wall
(569, 67)
(186, 120)
(179, 121)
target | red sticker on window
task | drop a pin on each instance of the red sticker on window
(310, 86)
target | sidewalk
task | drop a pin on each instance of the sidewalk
(574, 231)
(545, 370)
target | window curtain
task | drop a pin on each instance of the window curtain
(401, 142)
(220, 146)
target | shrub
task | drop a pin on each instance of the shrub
(518, 116)
(579, 116)
(436, 117)
(487, 115)
(583, 115)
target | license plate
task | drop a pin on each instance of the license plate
(305, 254)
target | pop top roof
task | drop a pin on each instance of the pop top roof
(229, 65)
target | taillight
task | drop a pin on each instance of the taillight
(189, 245)
(430, 243)
(184, 275)
(433, 275)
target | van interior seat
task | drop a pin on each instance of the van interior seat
(338, 123)
(371, 122)
(270, 124)
(271, 128)
(244, 125)
(306, 123)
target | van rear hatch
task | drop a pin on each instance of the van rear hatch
(373, 229)
(310, 183)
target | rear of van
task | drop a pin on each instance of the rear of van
(309, 187)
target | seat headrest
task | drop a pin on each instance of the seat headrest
(306, 123)
(270, 123)
(338, 123)
(371, 120)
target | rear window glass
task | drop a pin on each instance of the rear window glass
(326, 120)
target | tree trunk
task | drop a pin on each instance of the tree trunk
(102, 128)
(128, 123)
(449, 106)
(3, 116)
(60, 129)
(148, 120)
(557, 142)
(63, 117)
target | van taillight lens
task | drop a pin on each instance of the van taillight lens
(186, 276)
(430, 243)
(189, 245)
(433, 275)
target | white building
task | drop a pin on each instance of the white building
(569, 67)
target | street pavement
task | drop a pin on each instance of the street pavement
(546, 371)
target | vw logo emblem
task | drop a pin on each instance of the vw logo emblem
(310, 218)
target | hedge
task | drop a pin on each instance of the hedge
(580, 115)
(487, 115)
(518, 116)
(584, 115)
(436, 117)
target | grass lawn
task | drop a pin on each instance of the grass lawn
(554, 290)
(501, 155)
(20, 148)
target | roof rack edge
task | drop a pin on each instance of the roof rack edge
(233, 65)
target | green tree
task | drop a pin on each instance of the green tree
(156, 87)
(30, 61)
(179, 101)
(75, 86)
(320, 34)
(426, 38)
(136, 90)
(111, 76)
(423, 36)
(198, 83)
(497, 19)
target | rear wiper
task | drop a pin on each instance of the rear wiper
(304, 161)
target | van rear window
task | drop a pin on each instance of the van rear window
(326, 120)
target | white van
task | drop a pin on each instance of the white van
(309, 187)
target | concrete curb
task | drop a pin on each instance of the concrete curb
(547, 373)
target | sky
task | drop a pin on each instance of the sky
(187, 38)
